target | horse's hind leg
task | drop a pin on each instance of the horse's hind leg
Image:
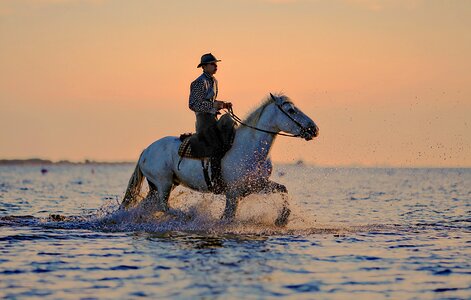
(152, 196)
(159, 192)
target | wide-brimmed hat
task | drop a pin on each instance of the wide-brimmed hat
(207, 59)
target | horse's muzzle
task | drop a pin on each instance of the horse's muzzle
(309, 133)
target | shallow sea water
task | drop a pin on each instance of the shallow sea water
(353, 233)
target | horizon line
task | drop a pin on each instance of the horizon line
(41, 161)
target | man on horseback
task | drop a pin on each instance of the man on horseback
(213, 137)
(203, 93)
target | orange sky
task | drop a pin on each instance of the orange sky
(388, 82)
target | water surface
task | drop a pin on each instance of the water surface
(363, 233)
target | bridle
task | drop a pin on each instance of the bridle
(239, 120)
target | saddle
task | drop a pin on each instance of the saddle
(185, 147)
(210, 147)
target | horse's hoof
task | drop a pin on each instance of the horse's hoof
(281, 189)
(282, 219)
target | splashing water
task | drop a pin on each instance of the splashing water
(194, 212)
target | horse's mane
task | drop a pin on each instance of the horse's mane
(254, 116)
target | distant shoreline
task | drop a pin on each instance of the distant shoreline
(46, 162)
(38, 161)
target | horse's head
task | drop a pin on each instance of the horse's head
(292, 120)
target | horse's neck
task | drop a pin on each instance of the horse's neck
(254, 145)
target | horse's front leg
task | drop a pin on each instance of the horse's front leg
(232, 200)
(283, 215)
(273, 187)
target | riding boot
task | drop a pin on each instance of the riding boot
(219, 185)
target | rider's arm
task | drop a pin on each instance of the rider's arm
(197, 101)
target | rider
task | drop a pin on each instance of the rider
(203, 93)
(213, 137)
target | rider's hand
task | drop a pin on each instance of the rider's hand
(218, 104)
(227, 105)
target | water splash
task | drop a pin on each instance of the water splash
(196, 213)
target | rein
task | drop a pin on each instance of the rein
(239, 120)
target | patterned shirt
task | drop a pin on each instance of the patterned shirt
(203, 92)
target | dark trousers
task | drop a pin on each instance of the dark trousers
(213, 137)
(204, 121)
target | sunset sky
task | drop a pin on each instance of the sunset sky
(387, 82)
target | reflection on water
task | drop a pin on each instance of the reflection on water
(364, 233)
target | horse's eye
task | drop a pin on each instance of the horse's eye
(291, 111)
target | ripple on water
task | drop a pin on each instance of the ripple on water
(313, 286)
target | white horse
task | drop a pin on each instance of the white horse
(245, 168)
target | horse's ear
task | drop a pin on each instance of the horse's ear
(277, 100)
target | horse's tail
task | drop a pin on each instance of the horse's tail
(134, 186)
